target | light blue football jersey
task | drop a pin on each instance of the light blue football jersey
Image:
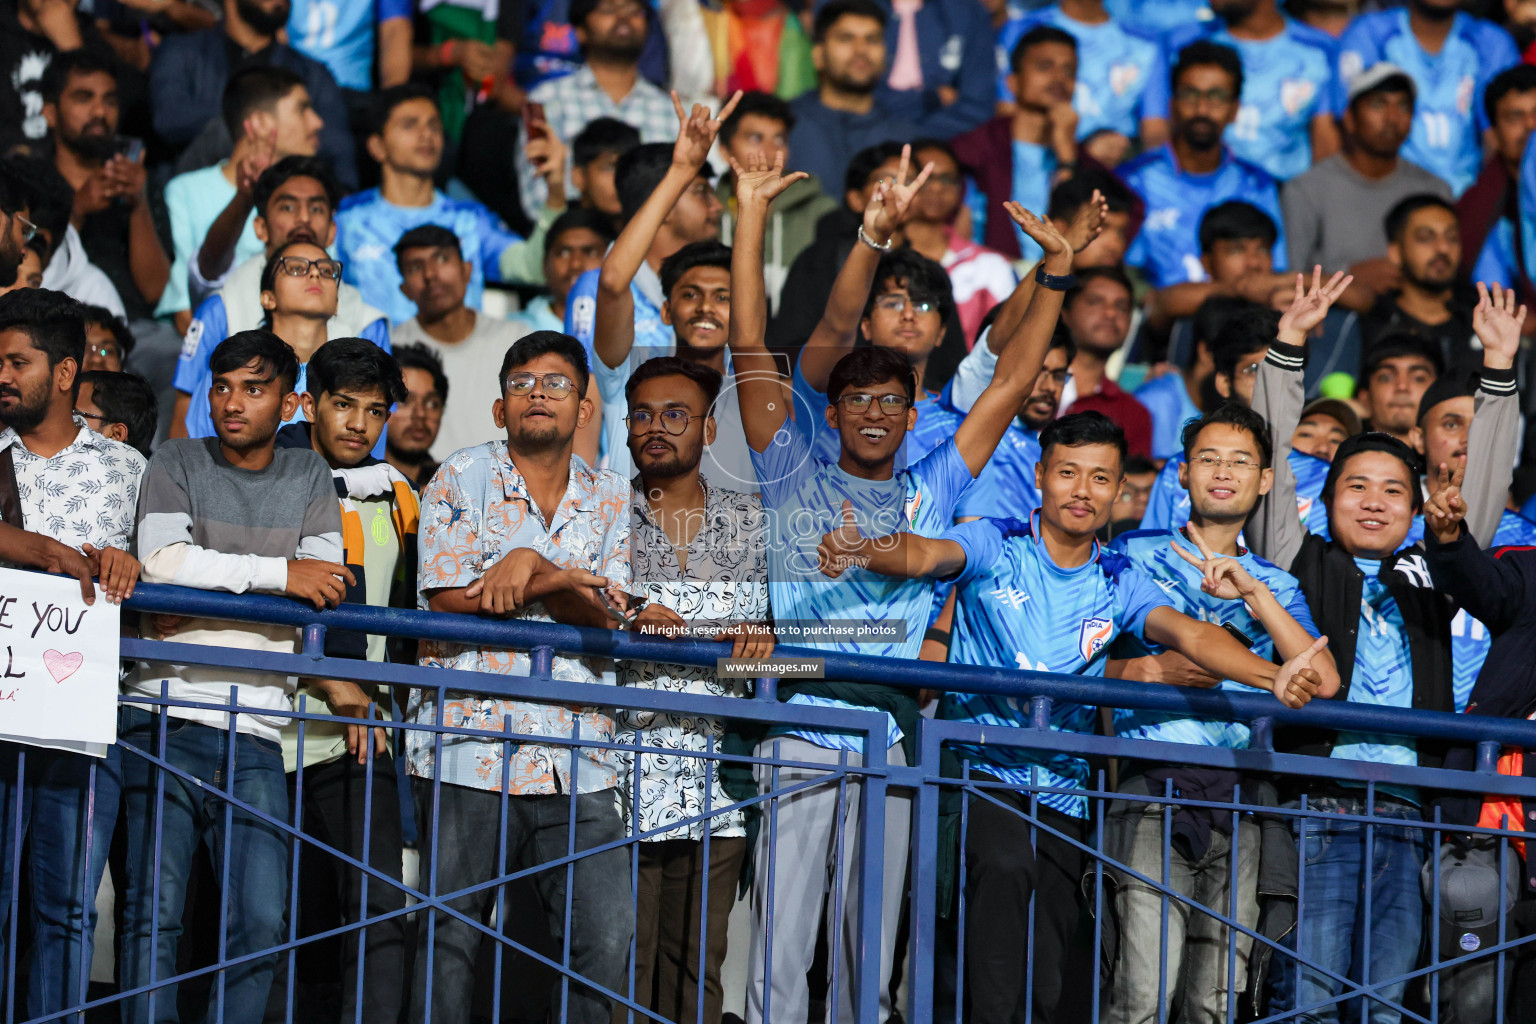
(1006, 488)
(1448, 116)
(1383, 677)
(1167, 248)
(341, 35)
(1016, 608)
(936, 423)
(1167, 399)
(1152, 552)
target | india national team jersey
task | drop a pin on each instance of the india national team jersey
(1168, 504)
(1469, 637)
(1383, 674)
(368, 226)
(1287, 81)
(1114, 66)
(1167, 249)
(804, 496)
(1151, 551)
(1006, 489)
(1448, 116)
(1018, 609)
(340, 35)
(1157, 19)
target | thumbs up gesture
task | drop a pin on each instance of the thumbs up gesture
(1297, 682)
(843, 548)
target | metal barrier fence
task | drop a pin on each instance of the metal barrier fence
(1331, 813)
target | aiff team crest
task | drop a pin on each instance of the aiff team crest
(1092, 635)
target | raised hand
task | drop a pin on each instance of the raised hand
(888, 207)
(761, 180)
(1309, 306)
(1086, 223)
(1053, 242)
(1497, 322)
(843, 548)
(696, 131)
(262, 154)
(1221, 577)
(1297, 682)
(1444, 511)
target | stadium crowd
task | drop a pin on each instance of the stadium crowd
(1175, 343)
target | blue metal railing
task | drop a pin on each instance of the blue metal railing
(925, 779)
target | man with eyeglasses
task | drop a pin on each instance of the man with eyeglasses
(1195, 170)
(107, 340)
(435, 276)
(1226, 469)
(18, 230)
(522, 528)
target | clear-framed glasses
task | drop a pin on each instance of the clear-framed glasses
(1192, 96)
(31, 229)
(299, 266)
(555, 386)
(890, 405)
(673, 421)
(108, 351)
(1241, 464)
(898, 303)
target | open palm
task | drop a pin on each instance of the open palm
(1497, 321)
(760, 179)
(1309, 306)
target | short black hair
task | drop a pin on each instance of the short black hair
(1090, 274)
(1397, 218)
(706, 377)
(112, 322)
(530, 346)
(1243, 334)
(918, 145)
(1079, 429)
(1233, 221)
(866, 366)
(1069, 196)
(763, 104)
(269, 271)
(1401, 343)
(694, 254)
(252, 88)
(831, 12)
(1211, 316)
(275, 355)
(924, 280)
(637, 174)
(1035, 37)
(1204, 52)
(343, 363)
(386, 100)
(128, 399)
(866, 162)
(1235, 415)
(1374, 441)
(53, 321)
(417, 356)
(290, 167)
(574, 218)
(73, 62)
(603, 135)
(49, 196)
(427, 236)
(1061, 338)
(15, 194)
(1520, 78)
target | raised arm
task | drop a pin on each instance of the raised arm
(1219, 653)
(1493, 439)
(614, 321)
(1491, 590)
(906, 556)
(758, 386)
(1024, 351)
(1275, 531)
(834, 334)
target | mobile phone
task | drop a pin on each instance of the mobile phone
(535, 121)
(128, 146)
(635, 602)
(1237, 634)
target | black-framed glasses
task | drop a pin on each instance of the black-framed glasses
(555, 386)
(1192, 96)
(90, 416)
(673, 421)
(299, 266)
(891, 405)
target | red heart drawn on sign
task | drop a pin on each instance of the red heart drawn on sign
(62, 666)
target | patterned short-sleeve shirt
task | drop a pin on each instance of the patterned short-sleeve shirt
(87, 493)
(725, 581)
(474, 512)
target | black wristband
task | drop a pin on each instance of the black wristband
(1055, 282)
(935, 633)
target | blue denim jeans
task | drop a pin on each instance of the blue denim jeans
(185, 817)
(68, 807)
(1337, 929)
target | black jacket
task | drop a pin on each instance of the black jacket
(1333, 586)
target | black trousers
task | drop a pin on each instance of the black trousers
(330, 891)
(1002, 872)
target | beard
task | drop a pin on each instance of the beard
(855, 86)
(248, 439)
(617, 53)
(10, 256)
(93, 146)
(673, 464)
(264, 22)
(1200, 133)
(31, 409)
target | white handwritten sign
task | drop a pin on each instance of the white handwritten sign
(58, 663)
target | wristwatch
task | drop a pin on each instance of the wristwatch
(1055, 282)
